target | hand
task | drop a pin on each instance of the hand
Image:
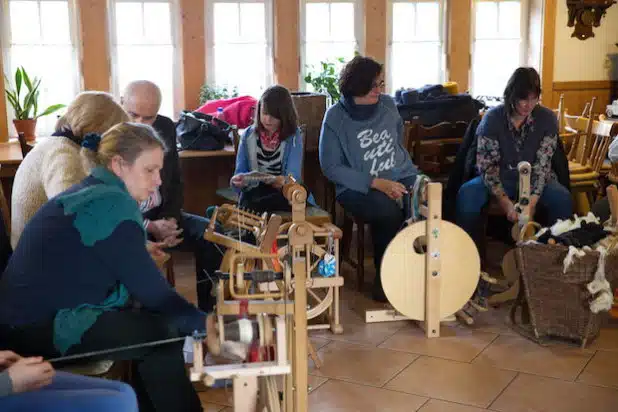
(8, 358)
(278, 182)
(237, 180)
(394, 190)
(162, 229)
(509, 208)
(29, 374)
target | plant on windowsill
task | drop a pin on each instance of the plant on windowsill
(208, 92)
(325, 80)
(26, 111)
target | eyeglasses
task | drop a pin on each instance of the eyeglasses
(381, 84)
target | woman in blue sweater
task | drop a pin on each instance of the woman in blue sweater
(81, 267)
(272, 145)
(361, 152)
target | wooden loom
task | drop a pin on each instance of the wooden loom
(281, 324)
(429, 271)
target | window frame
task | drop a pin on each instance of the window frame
(6, 44)
(443, 28)
(524, 36)
(359, 31)
(210, 39)
(177, 104)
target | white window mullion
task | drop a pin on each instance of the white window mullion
(497, 34)
(331, 42)
(421, 37)
(146, 49)
(46, 46)
(240, 47)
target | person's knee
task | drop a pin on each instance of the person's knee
(557, 199)
(472, 197)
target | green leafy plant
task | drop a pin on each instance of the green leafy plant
(208, 92)
(325, 78)
(27, 109)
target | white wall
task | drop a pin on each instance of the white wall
(593, 59)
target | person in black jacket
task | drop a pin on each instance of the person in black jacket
(164, 219)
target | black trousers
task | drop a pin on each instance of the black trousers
(264, 198)
(159, 376)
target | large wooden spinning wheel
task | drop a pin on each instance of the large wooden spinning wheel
(404, 275)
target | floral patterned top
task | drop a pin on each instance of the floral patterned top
(488, 158)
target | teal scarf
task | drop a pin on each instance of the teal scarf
(98, 210)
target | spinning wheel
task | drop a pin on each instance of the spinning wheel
(404, 270)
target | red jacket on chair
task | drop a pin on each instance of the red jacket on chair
(237, 110)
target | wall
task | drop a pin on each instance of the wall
(583, 69)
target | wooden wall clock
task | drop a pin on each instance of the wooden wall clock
(585, 14)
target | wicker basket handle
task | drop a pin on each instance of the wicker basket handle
(528, 231)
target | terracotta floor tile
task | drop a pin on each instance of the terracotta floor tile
(455, 342)
(435, 405)
(601, 370)
(520, 354)
(355, 330)
(530, 393)
(452, 381)
(361, 363)
(607, 339)
(338, 396)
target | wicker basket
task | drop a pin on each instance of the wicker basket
(558, 302)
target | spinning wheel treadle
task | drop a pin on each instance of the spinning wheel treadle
(404, 277)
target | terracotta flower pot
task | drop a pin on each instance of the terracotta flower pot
(27, 127)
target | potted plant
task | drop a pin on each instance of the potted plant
(26, 110)
(324, 80)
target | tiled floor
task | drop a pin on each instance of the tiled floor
(488, 367)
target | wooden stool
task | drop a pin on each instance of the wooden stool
(359, 263)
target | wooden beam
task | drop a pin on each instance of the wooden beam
(459, 53)
(547, 57)
(375, 29)
(4, 120)
(193, 44)
(95, 51)
(287, 43)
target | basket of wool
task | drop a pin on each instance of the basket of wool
(567, 271)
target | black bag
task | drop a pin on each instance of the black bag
(199, 131)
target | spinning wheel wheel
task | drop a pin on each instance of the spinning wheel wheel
(404, 270)
(319, 299)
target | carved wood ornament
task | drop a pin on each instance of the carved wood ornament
(585, 14)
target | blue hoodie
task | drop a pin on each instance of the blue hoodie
(356, 148)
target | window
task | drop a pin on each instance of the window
(416, 45)
(499, 44)
(240, 45)
(38, 35)
(143, 47)
(330, 30)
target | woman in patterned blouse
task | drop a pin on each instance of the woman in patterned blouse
(518, 130)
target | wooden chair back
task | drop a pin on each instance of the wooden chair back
(434, 147)
(581, 127)
(601, 137)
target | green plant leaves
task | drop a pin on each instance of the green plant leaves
(208, 92)
(31, 100)
(325, 79)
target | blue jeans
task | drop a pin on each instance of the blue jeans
(385, 218)
(74, 393)
(208, 257)
(473, 196)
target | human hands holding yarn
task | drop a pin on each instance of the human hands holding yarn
(165, 231)
(237, 180)
(29, 374)
(8, 358)
(508, 207)
(394, 190)
(278, 182)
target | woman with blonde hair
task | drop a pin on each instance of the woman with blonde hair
(78, 295)
(58, 162)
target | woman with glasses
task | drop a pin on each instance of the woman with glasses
(518, 130)
(361, 152)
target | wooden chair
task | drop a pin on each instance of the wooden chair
(433, 148)
(594, 156)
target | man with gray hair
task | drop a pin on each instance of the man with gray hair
(164, 219)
